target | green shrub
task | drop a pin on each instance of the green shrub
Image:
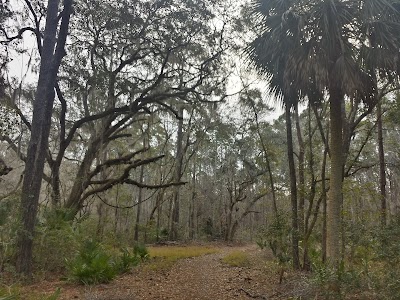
(56, 240)
(385, 274)
(126, 261)
(141, 251)
(9, 226)
(277, 235)
(92, 265)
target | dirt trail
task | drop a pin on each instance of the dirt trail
(204, 277)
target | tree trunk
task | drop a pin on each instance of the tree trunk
(382, 171)
(334, 202)
(192, 205)
(139, 207)
(159, 200)
(268, 162)
(52, 53)
(293, 189)
(301, 173)
(55, 183)
(178, 176)
(81, 182)
(229, 219)
(324, 205)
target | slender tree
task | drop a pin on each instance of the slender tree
(382, 171)
(270, 52)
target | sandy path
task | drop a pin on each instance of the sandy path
(197, 278)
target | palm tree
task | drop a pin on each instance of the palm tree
(330, 45)
(270, 60)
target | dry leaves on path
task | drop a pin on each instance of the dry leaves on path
(205, 277)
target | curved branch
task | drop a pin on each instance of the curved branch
(9, 39)
(37, 26)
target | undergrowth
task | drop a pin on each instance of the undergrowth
(93, 265)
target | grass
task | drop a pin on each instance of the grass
(165, 257)
(236, 259)
(15, 293)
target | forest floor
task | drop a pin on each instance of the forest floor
(202, 277)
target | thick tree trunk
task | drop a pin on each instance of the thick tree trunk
(293, 189)
(382, 171)
(81, 182)
(51, 56)
(336, 179)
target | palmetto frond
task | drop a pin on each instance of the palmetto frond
(322, 44)
(270, 50)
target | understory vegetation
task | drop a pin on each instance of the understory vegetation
(370, 267)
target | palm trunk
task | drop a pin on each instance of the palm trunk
(336, 179)
(293, 190)
(324, 205)
(301, 173)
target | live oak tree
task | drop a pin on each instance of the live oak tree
(113, 77)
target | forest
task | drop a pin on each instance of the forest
(258, 136)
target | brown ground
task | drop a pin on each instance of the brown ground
(204, 277)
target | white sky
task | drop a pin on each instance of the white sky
(20, 68)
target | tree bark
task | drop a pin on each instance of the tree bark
(139, 207)
(382, 171)
(334, 202)
(81, 182)
(293, 189)
(301, 185)
(178, 176)
(192, 205)
(51, 55)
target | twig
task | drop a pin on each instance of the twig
(252, 295)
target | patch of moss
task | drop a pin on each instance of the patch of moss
(236, 259)
(165, 257)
